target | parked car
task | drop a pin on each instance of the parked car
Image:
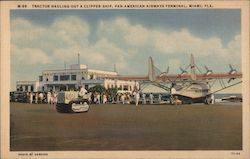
(18, 96)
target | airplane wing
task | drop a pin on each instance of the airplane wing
(165, 80)
(132, 78)
(203, 76)
(180, 77)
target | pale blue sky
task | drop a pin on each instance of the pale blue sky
(44, 39)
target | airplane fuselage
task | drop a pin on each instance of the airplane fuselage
(191, 93)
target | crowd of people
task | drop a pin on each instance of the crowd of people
(41, 97)
(135, 97)
(125, 98)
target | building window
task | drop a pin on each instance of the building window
(40, 78)
(91, 77)
(55, 78)
(64, 77)
(73, 77)
(125, 87)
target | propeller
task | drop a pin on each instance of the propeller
(232, 71)
(183, 72)
(166, 72)
(208, 72)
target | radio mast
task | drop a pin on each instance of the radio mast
(78, 58)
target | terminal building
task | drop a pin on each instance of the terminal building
(78, 75)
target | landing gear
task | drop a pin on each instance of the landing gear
(208, 101)
(175, 101)
(190, 102)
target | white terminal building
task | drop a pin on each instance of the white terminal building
(78, 75)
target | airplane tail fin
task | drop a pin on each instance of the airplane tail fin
(192, 68)
(151, 70)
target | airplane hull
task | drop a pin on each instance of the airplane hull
(191, 93)
(190, 100)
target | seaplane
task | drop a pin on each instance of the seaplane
(189, 86)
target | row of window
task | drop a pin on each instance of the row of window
(64, 77)
(61, 78)
(199, 91)
(67, 78)
(25, 88)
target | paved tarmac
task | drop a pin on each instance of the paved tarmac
(38, 127)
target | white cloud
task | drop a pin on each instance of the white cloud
(175, 64)
(72, 30)
(137, 35)
(58, 41)
(234, 47)
(112, 54)
(166, 42)
(117, 41)
(24, 32)
(183, 41)
(30, 56)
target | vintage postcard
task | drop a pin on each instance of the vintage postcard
(125, 79)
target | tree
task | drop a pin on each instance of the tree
(112, 91)
(98, 88)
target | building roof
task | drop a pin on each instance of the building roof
(80, 67)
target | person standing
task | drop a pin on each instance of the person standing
(159, 98)
(128, 98)
(137, 97)
(104, 100)
(95, 98)
(98, 97)
(212, 99)
(52, 98)
(49, 97)
(123, 98)
(90, 97)
(36, 97)
(55, 98)
(118, 98)
(40, 97)
(151, 97)
(82, 92)
(31, 97)
(27, 97)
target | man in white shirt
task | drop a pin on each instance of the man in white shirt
(41, 97)
(151, 96)
(31, 97)
(49, 97)
(98, 97)
(137, 97)
(82, 92)
(159, 98)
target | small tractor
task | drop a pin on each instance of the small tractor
(72, 102)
